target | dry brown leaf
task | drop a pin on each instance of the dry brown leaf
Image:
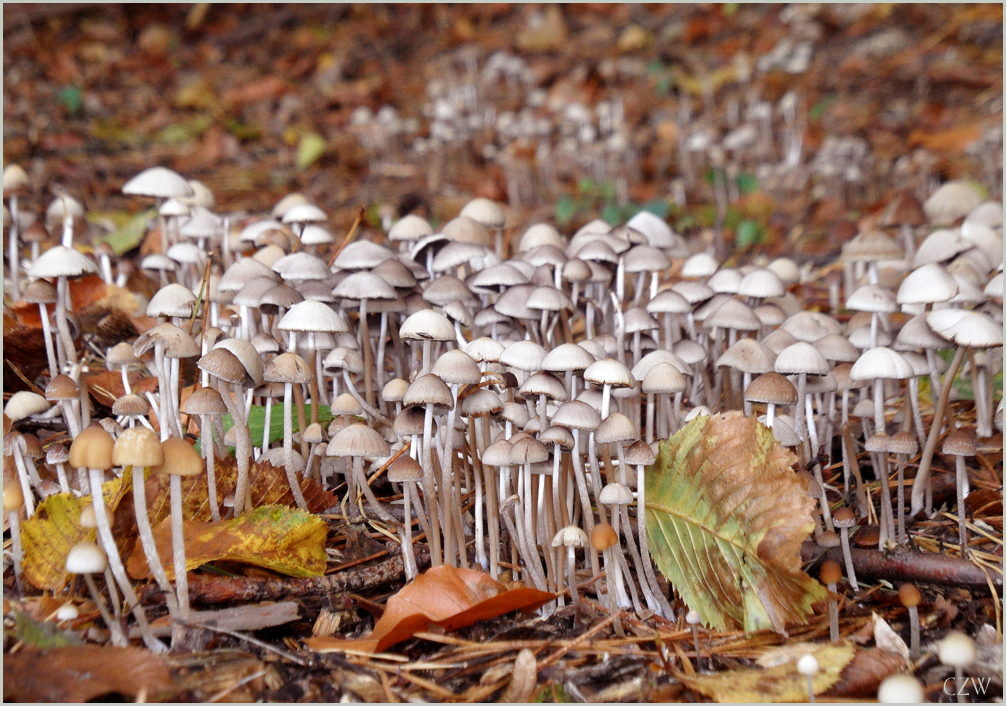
(889, 640)
(82, 673)
(106, 387)
(444, 596)
(862, 677)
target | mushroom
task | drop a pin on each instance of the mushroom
(960, 444)
(42, 293)
(206, 403)
(92, 449)
(427, 326)
(87, 559)
(808, 666)
(831, 574)
(957, 650)
(910, 598)
(619, 495)
(57, 455)
(289, 369)
(15, 182)
(603, 538)
(168, 341)
(407, 471)
(844, 519)
(903, 445)
(139, 449)
(62, 263)
(571, 537)
(693, 619)
(431, 392)
(180, 460)
(524, 453)
(360, 441)
(13, 501)
(801, 359)
(901, 689)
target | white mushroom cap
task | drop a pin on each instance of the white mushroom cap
(807, 665)
(158, 182)
(957, 650)
(86, 558)
(901, 689)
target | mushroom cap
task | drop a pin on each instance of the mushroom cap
(158, 182)
(807, 665)
(615, 494)
(409, 421)
(609, 372)
(576, 414)
(13, 496)
(92, 448)
(965, 328)
(205, 400)
(24, 404)
(176, 343)
(310, 315)
(138, 447)
(404, 470)
(86, 558)
(957, 649)
(394, 390)
(748, 356)
(880, 363)
(663, 378)
(528, 450)
(960, 443)
(570, 536)
(61, 261)
(358, 440)
(771, 388)
(484, 350)
(603, 536)
(844, 518)
(429, 389)
(831, 572)
(427, 325)
(953, 200)
(903, 443)
(180, 459)
(614, 428)
(693, 617)
(288, 368)
(801, 357)
(909, 595)
(345, 404)
(246, 354)
(410, 228)
(456, 367)
(901, 689)
(39, 292)
(872, 298)
(172, 300)
(223, 364)
(927, 284)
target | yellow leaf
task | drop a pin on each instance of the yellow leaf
(46, 538)
(778, 684)
(279, 538)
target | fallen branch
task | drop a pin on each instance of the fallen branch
(907, 566)
(207, 589)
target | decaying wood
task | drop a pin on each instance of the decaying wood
(907, 566)
(211, 590)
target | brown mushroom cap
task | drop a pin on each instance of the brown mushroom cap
(180, 459)
(909, 595)
(960, 443)
(844, 518)
(138, 446)
(771, 388)
(603, 536)
(92, 449)
(831, 572)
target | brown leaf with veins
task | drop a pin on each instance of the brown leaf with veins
(81, 673)
(449, 597)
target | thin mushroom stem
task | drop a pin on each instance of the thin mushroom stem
(850, 571)
(178, 548)
(291, 472)
(147, 538)
(118, 637)
(922, 477)
(429, 487)
(96, 477)
(17, 553)
(49, 351)
(962, 510)
(913, 618)
(833, 614)
(375, 504)
(644, 547)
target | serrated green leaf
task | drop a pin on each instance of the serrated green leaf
(256, 422)
(310, 149)
(725, 517)
(131, 234)
(748, 233)
(565, 210)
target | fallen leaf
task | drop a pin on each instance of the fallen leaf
(269, 486)
(310, 149)
(863, 675)
(725, 516)
(40, 634)
(282, 539)
(46, 538)
(889, 640)
(777, 684)
(444, 596)
(130, 235)
(85, 291)
(82, 673)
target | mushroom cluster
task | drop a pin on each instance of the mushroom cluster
(513, 383)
